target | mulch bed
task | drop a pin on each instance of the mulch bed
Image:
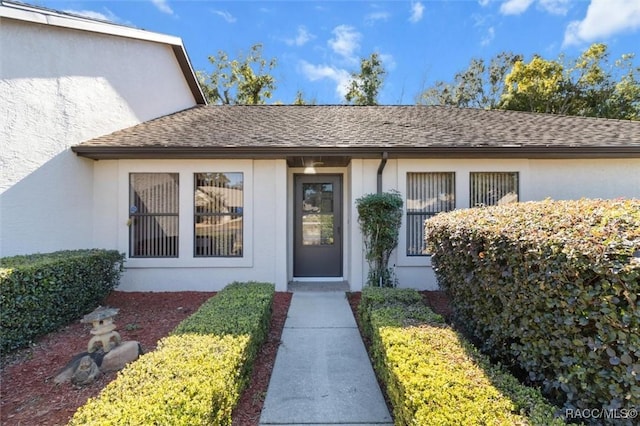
(29, 396)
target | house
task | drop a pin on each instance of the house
(269, 192)
(198, 196)
(65, 79)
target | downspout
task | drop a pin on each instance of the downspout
(383, 162)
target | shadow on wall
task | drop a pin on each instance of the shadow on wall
(50, 209)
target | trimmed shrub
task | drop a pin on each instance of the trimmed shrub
(41, 292)
(434, 377)
(553, 288)
(188, 380)
(377, 298)
(380, 216)
(241, 309)
(196, 375)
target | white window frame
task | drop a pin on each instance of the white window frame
(217, 214)
(517, 175)
(135, 217)
(425, 213)
(186, 170)
(462, 168)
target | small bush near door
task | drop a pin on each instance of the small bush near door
(552, 287)
(380, 216)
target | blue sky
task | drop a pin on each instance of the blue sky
(318, 44)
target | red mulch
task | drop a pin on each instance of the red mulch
(247, 412)
(29, 396)
(438, 302)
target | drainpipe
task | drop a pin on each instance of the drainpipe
(383, 162)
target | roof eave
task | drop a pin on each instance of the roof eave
(537, 152)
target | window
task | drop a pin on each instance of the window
(493, 188)
(218, 215)
(427, 195)
(153, 214)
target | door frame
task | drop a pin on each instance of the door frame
(340, 235)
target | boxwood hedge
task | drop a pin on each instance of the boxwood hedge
(553, 287)
(41, 292)
(434, 377)
(196, 375)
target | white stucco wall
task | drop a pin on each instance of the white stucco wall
(60, 87)
(538, 180)
(264, 218)
(268, 238)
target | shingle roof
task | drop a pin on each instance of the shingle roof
(365, 131)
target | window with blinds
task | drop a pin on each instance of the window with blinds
(427, 194)
(153, 214)
(493, 188)
(218, 214)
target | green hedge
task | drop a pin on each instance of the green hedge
(41, 292)
(434, 377)
(196, 375)
(552, 286)
(241, 309)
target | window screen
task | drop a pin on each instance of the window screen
(218, 218)
(493, 188)
(153, 214)
(427, 194)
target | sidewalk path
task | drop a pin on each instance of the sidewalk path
(322, 374)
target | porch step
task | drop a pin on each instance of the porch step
(318, 286)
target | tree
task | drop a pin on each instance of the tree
(588, 86)
(299, 100)
(538, 86)
(242, 81)
(365, 85)
(479, 86)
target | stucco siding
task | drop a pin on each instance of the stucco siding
(268, 213)
(574, 179)
(60, 87)
(538, 179)
(264, 225)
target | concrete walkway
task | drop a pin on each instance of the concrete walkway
(322, 374)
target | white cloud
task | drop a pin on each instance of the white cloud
(373, 17)
(225, 15)
(301, 38)
(163, 6)
(388, 61)
(604, 18)
(488, 37)
(515, 7)
(417, 9)
(92, 14)
(339, 76)
(556, 7)
(346, 42)
(518, 7)
(483, 3)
